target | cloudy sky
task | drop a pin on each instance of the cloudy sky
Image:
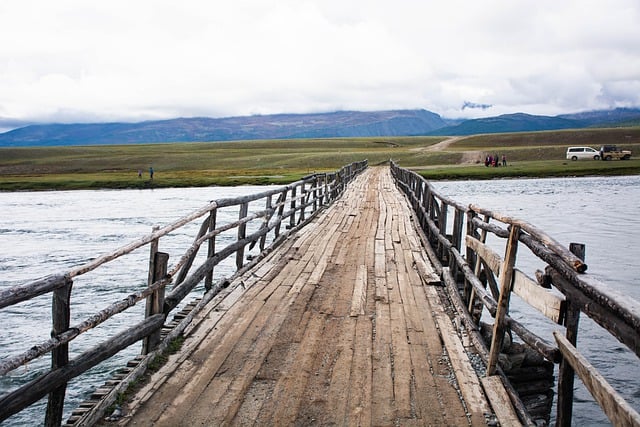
(86, 60)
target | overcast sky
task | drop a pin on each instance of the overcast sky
(82, 60)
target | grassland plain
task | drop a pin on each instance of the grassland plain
(535, 154)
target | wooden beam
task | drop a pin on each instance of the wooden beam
(614, 406)
(548, 303)
(500, 401)
(506, 284)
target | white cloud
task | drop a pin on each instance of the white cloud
(120, 60)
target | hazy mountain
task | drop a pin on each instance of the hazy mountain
(287, 126)
(281, 126)
(521, 122)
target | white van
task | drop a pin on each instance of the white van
(577, 153)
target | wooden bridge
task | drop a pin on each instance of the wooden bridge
(368, 309)
(342, 325)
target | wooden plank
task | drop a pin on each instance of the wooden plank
(614, 406)
(543, 300)
(382, 384)
(468, 381)
(491, 258)
(224, 393)
(506, 285)
(360, 411)
(500, 401)
(359, 292)
(436, 401)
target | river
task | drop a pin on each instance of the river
(46, 232)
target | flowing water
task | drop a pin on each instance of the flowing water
(46, 232)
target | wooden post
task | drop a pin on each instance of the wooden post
(280, 202)
(267, 217)
(242, 233)
(303, 195)
(326, 195)
(155, 301)
(566, 374)
(61, 311)
(472, 257)
(456, 239)
(292, 218)
(442, 226)
(211, 249)
(316, 185)
(506, 284)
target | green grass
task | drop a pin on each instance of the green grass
(282, 161)
(534, 168)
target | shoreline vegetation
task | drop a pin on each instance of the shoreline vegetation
(530, 155)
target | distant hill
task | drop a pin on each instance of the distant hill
(280, 126)
(288, 126)
(521, 122)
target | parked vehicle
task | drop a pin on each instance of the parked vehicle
(610, 152)
(577, 153)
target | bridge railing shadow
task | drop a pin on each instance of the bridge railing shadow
(283, 210)
(480, 282)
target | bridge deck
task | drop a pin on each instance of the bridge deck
(341, 325)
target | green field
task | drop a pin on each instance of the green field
(281, 161)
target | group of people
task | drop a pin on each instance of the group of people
(495, 161)
(150, 173)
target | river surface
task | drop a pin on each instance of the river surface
(46, 232)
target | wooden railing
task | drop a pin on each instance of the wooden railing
(467, 265)
(291, 206)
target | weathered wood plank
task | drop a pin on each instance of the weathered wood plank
(359, 292)
(491, 258)
(500, 401)
(616, 408)
(506, 285)
(550, 304)
(467, 380)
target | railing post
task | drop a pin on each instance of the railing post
(303, 196)
(242, 233)
(281, 202)
(267, 217)
(506, 284)
(61, 312)
(456, 238)
(211, 249)
(326, 196)
(316, 185)
(476, 261)
(566, 374)
(155, 301)
(292, 218)
(442, 226)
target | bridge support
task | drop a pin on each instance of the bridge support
(157, 270)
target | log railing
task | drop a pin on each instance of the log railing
(293, 206)
(468, 266)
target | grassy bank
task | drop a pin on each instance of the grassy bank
(537, 154)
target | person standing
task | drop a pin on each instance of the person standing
(150, 172)
(504, 160)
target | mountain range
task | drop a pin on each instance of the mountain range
(290, 126)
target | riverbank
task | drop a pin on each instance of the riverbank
(536, 154)
(199, 178)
